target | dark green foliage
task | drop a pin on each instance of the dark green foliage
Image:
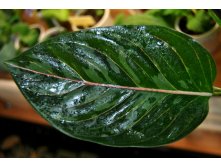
(121, 86)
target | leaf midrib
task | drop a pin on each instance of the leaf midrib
(88, 83)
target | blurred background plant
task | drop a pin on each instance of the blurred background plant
(12, 28)
(22, 29)
(197, 21)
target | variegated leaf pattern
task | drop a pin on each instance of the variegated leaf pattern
(137, 86)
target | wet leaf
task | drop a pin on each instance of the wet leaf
(120, 86)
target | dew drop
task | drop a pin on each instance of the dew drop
(98, 32)
(159, 43)
(141, 28)
(146, 34)
(53, 90)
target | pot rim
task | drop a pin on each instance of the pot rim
(198, 36)
(103, 19)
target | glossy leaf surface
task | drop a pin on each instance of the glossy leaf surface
(120, 86)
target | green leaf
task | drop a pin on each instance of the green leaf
(99, 12)
(200, 22)
(7, 52)
(216, 15)
(27, 35)
(141, 19)
(60, 14)
(168, 15)
(20, 28)
(120, 86)
(119, 19)
(31, 38)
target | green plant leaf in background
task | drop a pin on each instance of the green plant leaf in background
(60, 14)
(7, 19)
(140, 19)
(200, 22)
(168, 15)
(7, 52)
(216, 15)
(29, 36)
(4, 29)
(137, 86)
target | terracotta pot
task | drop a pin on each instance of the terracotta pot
(210, 39)
(213, 119)
(106, 20)
(10, 94)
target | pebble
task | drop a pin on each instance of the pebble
(10, 141)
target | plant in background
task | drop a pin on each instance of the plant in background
(196, 22)
(7, 18)
(140, 19)
(21, 29)
(28, 36)
(216, 15)
(191, 21)
(59, 14)
(139, 86)
(162, 17)
(72, 19)
(11, 27)
(7, 50)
